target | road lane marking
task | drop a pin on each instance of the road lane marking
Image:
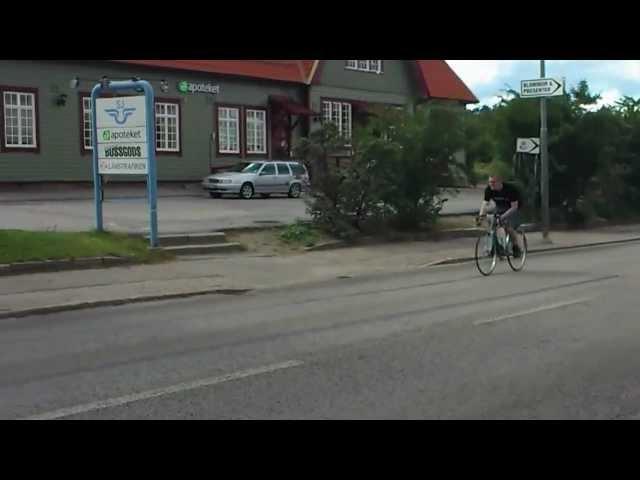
(161, 392)
(553, 306)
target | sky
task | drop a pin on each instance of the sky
(610, 78)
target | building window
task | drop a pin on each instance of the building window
(167, 127)
(228, 130)
(256, 124)
(374, 66)
(19, 110)
(338, 113)
(87, 127)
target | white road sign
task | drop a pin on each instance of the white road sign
(122, 135)
(528, 145)
(542, 87)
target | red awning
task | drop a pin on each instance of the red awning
(290, 106)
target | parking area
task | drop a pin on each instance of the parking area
(180, 210)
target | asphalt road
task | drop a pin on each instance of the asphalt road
(558, 341)
(176, 214)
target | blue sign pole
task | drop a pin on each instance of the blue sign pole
(152, 179)
(97, 181)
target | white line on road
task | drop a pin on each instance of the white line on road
(533, 310)
(160, 392)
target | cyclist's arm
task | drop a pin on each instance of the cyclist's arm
(511, 211)
(483, 209)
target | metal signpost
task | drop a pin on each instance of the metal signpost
(528, 145)
(526, 148)
(543, 88)
(123, 139)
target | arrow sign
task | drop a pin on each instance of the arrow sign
(542, 87)
(528, 145)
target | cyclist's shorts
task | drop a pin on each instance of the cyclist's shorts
(514, 220)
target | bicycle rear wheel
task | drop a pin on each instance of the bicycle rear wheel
(486, 254)
(517, 264)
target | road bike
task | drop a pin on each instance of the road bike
(491, 246)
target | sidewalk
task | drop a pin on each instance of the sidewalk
(38, 293)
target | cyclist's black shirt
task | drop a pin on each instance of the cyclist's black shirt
(504, 197)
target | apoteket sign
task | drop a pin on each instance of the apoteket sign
(121, 125)
(189, 87)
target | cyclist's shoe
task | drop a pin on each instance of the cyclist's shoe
(516, 251)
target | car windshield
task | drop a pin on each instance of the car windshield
(252, 168)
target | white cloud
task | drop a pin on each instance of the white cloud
(609, 97)
(631, 69)
(490, 101)
(481, 72)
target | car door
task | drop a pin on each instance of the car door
(284, 178)
(266, 180)
(299, 173)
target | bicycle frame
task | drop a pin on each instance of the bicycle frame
(503, 250)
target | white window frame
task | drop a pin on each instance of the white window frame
(230, 122)
(364, 66)
(165, 130)
(335, 111)
(86, 110)
(20, 109)
(251, 150)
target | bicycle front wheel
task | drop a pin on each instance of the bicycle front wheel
(517, 264)
(486, 254)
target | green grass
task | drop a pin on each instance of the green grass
(23, 246)
(300, 233)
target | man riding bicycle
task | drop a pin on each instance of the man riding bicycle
(508, 202)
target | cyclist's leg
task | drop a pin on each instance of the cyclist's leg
(512, 224)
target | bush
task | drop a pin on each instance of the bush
(398, 162)
(301, 233)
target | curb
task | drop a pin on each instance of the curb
(397, 238)
(120, 301)
(454, 261)
(48, 266)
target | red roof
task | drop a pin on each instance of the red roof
(436, 78)
(283, 70)
(440, 81)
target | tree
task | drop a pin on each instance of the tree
(628, 107)
(582, 95)
(424, 145)
(398, 162)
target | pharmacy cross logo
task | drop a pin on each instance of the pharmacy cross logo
(120, 114)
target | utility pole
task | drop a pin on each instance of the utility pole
(544, 173)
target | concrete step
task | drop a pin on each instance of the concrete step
(191, 239)
(201, 249)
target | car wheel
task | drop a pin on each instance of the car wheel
(214, 195)
(246, 191)
(295, 190)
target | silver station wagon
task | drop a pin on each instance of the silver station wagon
(262, 178)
